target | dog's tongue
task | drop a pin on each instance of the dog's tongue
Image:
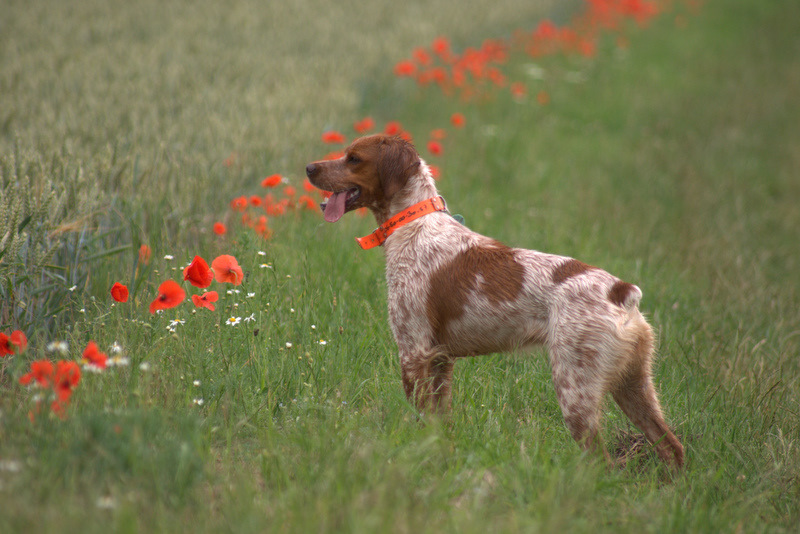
(334, 209)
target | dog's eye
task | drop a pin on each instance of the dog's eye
(353, 159)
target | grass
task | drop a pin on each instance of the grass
(672, 164)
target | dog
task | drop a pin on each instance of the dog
(454, 293)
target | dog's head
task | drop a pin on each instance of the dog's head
(372, 171)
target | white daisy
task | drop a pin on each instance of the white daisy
(233, 321)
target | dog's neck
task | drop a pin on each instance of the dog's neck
(420, 186)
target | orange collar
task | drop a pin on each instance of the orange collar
(416, 211)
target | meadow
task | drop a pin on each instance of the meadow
(135, 136)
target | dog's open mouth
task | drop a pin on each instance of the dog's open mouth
(337, 204)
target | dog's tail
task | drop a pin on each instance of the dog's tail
(625, 295)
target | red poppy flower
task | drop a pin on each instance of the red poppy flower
(518, 90)
(441, 47)
(271, 180)
(405, 68)
(41, 371)
(19, 340)
(219, 228)
(435, 172)
(197, 273)
(333, 137)
(543, 98)
(364, 125)
(13, 344)
(458, 120)
(205, 300)
(438, 134)
(144, 254)
(5, 345)
(435, 148)
(67, 376)
(119, 292)
(333, 155)
(422, 56)
(226, 269)
(308, 187)
(392, 128)
(289, 191)
(170, 294)
(93, 356)
(307, 202)
(255, 200)
(239, 203)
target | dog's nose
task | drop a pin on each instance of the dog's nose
(311, 170)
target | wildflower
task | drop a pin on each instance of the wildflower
(58, 346)
(265, 266)
(176, 322)
(288, 345)
(233, 321)
(308, 187)
(116, 348)
(250, 295)
(41, 371)
(518, 90)
(13, 344)
(67, 376)
(219, 228)
(251, 317)
(170, 294)
(119, 292)
(196, 383)
(205, 300)
(441, 47)
(438, 134)
(333, 137)
(93, 358)
(271, 181)
(364, 125)
(226, 269)
(543, 98)
(435, 148)
(289, 191)
(239, 204)
(73, 288)
(435, 172)
(307, 202)
(197, 273)
(255, 200)
(392, 128)
(144, 254)
(458, 120)
(144, 366)
(106, 503)
(322, 342)
(405, 68)
(119, 360)
(198, 402)
(262, 253)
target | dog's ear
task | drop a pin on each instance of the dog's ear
(398, 162)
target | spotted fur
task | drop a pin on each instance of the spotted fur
(454, 293)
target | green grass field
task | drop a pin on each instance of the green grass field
(673, 162)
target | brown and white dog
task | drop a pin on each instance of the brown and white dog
(456, 293)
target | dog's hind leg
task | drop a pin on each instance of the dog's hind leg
(442, 379)
(579, 395)
(427, 379)
(636, 396)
